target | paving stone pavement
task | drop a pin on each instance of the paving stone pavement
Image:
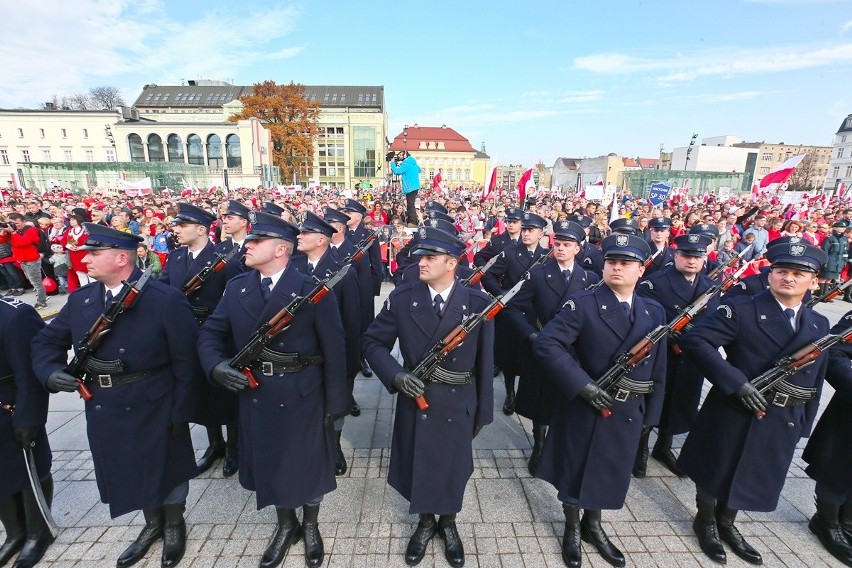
(509, 519)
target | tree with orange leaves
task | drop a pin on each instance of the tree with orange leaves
(291, 119)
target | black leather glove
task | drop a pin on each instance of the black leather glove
(751, 398)
(675, 337)
(177, 429)
(26, 435)
(225, 375)
(531, 337)
(596, 396)
(60, 381)
(476, 431)
(408, 384)
(327, 420)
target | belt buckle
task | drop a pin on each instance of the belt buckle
(105, 381)
(780, 399)
(621, 395)
(267, 368)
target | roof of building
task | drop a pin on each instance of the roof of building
(433, 137)
(630, 163)
(481, 155)
(570, 163)
(648, 163)
(214, 96)
(846, 125)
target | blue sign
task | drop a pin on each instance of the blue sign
(659, 192)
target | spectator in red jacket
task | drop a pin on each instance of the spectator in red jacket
(25, 242)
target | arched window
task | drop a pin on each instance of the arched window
(137, 150)
(214, 152)
(155, 148)
(232, 150)
(175, 148)
(194, 149)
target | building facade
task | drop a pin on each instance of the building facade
(839, 169)
(442, 149)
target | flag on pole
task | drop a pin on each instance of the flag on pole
(490, 184)
(754, 190)
(436, 181)
(783, 172)
(841, 191)
(581, 191)
(613, 214)
(526, 180)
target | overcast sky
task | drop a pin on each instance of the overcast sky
(534, 80)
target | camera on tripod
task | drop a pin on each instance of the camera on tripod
(395, 156)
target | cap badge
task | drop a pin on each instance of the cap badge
(252, 217)
(621, 240)
(795, 239)
(693, 239)
(422, 233)
(797, 250)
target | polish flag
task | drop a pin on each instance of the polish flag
(613, 214)
(783, 173)
(754, 190)
(525, 181)
(490, 185)
(841, 191)
(436, 181)
(599, 181)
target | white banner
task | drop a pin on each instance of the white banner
(594, 192)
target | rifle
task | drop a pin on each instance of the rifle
(194, 284)
(442, 349)
(792, 364)
(102, 326)
(685, 317)
(646, 264)
(833, 292)
(480, 272)
(730, 264)
(263, 335)
(361, 248)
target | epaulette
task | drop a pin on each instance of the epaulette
(9, 301)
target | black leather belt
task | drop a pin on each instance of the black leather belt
(785, 395)
(201, 314)
(630, 390)
(109, 380)
(276, 363)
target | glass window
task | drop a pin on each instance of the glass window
(467, 175)
(4, 157)
(848, 171)
(839, 151)
(214, 151)
(20, 133)
(194, 149)
(155, 148)
(137, 151)
(835, 172)
(110, 155)
(85, 133)
(767, 157)
(64, 133)
(25, 155)
(175, 148)
(232, 151)
(68, 156)
(41, 132)
(764, 170)
(90, 155)
(45, 155)
(364, 151)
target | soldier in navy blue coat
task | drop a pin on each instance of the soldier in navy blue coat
(736, 460)
(217, 407)
(659, 241)
(624, 226)
(498, 243)
(676, 288)
(586, 456)
(286, 433)
(828, 456)
(235, 227)
(343, 251)
(431, 450)
(315, 260)
(355, 233)
(549, 287)
(751, 285)
(512, 265)
(404, 259)
(711, 231)
(144, 382)
(411, 273)
(590, 257)
(23, 413)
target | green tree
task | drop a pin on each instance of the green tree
(291, 119)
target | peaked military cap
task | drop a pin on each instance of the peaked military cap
(272, 208)
(694, 244)
(434, 214)
(352, 205)
(533, 221)
(624, 226)
(335, 216)
(514, 214)
(711, 231)
(569, 230)
(313, 224)
(662, 223)
(188, 213)
(625, 247)
(103, 238)
(435, 206)
(266, 226)
(801, 256)
(237, 208)
(441, 224)
(432, 241)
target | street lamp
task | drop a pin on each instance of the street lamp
(689, 151)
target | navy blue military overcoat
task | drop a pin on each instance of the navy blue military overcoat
(431, 451)
(731, 454)
(494, 247)
(364, 279)
(137, 461)
(216, 406)
(286, 452)
(18, 386)
(683, 380)
(662, 261)
(373, 255)
(585, 456)
(412, 274)
(533, 306)
(591, 258)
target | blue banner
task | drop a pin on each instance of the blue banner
(659, 192)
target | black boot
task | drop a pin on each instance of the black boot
(150, 534)
(354, 408)
(729, 534)
(707, 531)
(846, 520)
(365, 369)
(663, 452)
(847, 295)
(14, 523)
(38, 535)
(339, 458)
(572, 554)
(539, 432)
(509, 403)
(287, 533)
(232, 456)
(214, 451)
(174, 534)
(314, 551)
(453, 547)
(592, 532)
(826, 526)
(416, 550)
(640, 463)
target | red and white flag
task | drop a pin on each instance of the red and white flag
(525, 181)
(754, 190)
(841, 191)
(581, 191)
(436, 181)
(490, 183)
(783, 172)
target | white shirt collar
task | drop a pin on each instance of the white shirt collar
(275, 277)
(570, 267)
(445, 294)
(794, 308)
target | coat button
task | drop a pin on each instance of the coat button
(422, 417)
(121, 351)
(449, 419)
(789, 424)
(97, 407)
(452, 390)
(254, 400)
(127, 408)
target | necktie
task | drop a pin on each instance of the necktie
(791, 317)
(108, 298)
(567, 274)
(265, 287)
(626, 307)
(436, 304)
(310, 269)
